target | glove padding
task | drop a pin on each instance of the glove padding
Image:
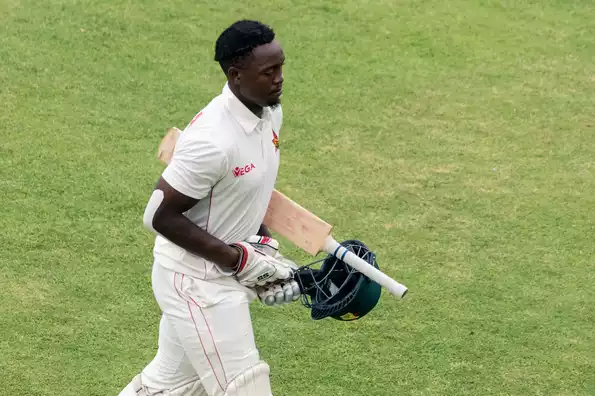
(278, 293)
(255, 268)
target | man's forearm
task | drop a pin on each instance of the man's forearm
(180, 230)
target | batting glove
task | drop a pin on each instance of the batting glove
(279, 293)
(255, 268)
(269, 246)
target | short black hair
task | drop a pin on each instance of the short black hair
(238, 41)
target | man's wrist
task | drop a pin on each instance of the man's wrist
(230, 259)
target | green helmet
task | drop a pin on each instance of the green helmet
(337, 290)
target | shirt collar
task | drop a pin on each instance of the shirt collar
(247, 119)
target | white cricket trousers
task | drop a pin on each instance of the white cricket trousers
(205, 333)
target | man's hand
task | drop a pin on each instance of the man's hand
(255, 268)
(277, 293)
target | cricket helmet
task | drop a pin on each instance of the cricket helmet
(337, 290)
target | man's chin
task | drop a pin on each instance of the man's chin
(274, 103)
(274, 100)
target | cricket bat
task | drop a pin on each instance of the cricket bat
(301, 227)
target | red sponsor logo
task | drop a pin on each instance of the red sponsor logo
(241, 171)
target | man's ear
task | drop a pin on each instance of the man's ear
(234, 75)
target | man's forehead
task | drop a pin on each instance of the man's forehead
(267, 53)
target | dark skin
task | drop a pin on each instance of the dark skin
(257, 82)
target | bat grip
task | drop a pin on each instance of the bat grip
(333, 247)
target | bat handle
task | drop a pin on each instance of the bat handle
(333, 247)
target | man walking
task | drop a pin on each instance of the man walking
(207, 211)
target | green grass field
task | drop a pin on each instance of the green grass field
(456, 138)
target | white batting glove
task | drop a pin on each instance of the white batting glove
(279, 293)
(255, 268)
(269, 246)
(265, 244)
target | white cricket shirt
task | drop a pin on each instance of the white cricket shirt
(228, 159)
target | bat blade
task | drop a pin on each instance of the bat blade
(298, 225)
(167, 145)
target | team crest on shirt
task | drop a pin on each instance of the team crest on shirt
(275, 140)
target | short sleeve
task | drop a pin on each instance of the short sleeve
(196, 166)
